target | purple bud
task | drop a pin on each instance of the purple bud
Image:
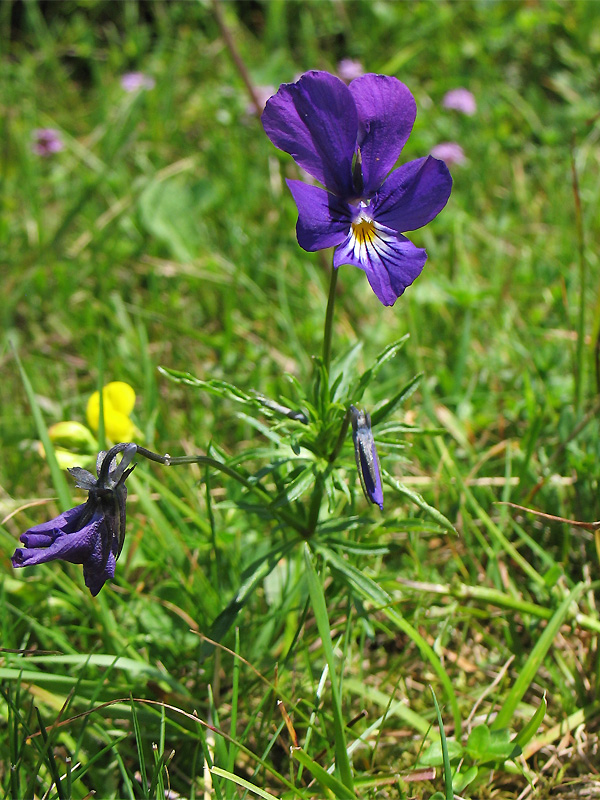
(365, 452)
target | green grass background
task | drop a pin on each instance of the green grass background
(163, 234)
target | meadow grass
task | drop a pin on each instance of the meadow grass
(162, 235)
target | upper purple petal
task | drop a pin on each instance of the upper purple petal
(323, 219)
(386, 115)
(64, 523)
(315, 121)
(390, 266)
(413, 194)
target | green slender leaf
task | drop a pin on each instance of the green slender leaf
(416, 498)
(140, 748)
(447, 769)
(324, 778)
(397, 709)
(49, 755)
(536, 657)
(299, 486)
(317, 599)
(527, 733)
(252, 577)
(58, 477)
(356, 577)
(383, 412)
(223, 773)
(365, 379)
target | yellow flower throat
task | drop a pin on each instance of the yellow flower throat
(364, 231)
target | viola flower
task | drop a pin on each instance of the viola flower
(460, 100)
(118, 399)
(367, 461)
(449, 152)
(132, 81)
(47, 141)
(349, 138)
(91, 534)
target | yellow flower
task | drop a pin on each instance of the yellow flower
(118, 400)
(74, 445)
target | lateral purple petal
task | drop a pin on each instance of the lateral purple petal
(390, 265)
(386, 115)
(323, 219)
(73, 547)
(315, 121)
(96, 575)
(413, 194)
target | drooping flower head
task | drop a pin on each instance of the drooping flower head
(91, 534)
(460, 100)
(349, 138)
(47, 141)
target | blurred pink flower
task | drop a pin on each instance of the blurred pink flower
(132, 81)
(350, 68)
(46, 141)
(449, 152)
(460, 100)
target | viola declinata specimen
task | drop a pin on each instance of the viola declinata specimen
(349, 138)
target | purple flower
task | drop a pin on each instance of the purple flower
(47, 141)
(365, 452)
(349, 69)
(349, 138)
(460, 100)
(132, 81)
(449, 152)
(91, 534)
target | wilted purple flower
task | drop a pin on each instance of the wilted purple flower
(460, 100)
(47, 141)
(367, 461)
(91, 534)
(348, 138)
(132, 81)
(449, 152)
(349, 69)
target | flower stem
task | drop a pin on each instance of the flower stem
(251, 486)
(329, 320)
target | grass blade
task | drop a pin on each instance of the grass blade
(317, 599)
